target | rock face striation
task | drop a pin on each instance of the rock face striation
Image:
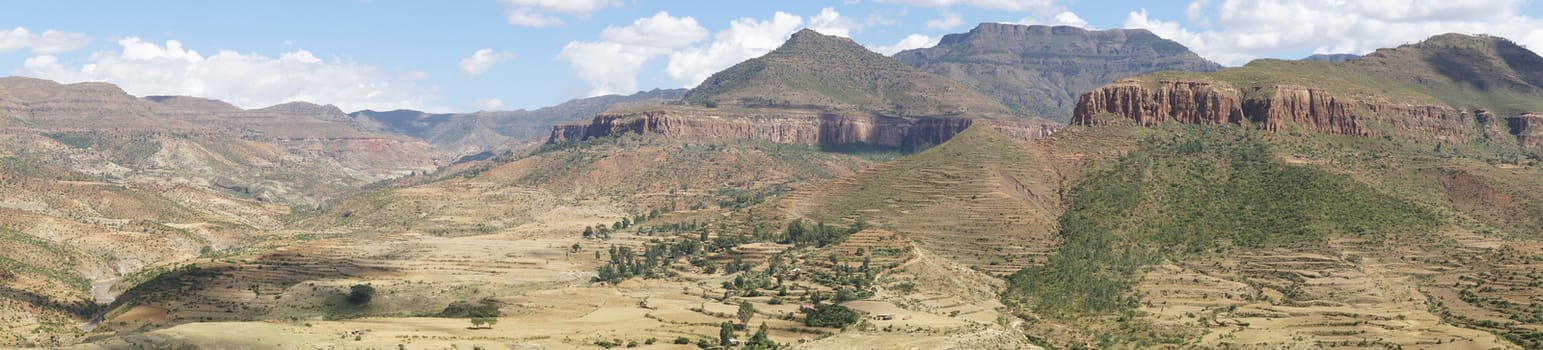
(1448, 88)
(1274, 108)
(790, 127)
(1041, 70)
(1528, 129)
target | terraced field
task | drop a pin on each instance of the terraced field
(1358, 294)
(980, 198)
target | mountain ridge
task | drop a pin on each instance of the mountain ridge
(813, 69)
(1040, 70)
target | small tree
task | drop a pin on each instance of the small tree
(725, 332)
(759, 338)
(360, 294)
(746, 311)
(478, 322)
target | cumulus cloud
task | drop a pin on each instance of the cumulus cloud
(1010, 5)
(537, 13)
(1233, 32)
(244, 79)
(914, 41)
(749, 38)
(949, 21)
(49, 42)
(479, 62)
(830, 22)
(746, 38)
(1065, 18)
(611, 65)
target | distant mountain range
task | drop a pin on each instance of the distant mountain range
(486, 130)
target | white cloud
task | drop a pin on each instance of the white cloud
(244, 79)
(914, 41)
(482, 60)
(1065, 18)
(830, 22)
(1010, 5)
(535, 13)
(949, 21)
(611, 65)
(527, 17)
(489, 104)
(49, 42)
(746, 38)
(1235, 31)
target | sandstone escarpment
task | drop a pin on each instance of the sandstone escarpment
(1528, 129)
(1273, 107)
(1190, 102)
(790, 127)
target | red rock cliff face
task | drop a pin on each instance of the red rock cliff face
(1190, 102)
(1308, 108)
(790, 127)
(1528, 129)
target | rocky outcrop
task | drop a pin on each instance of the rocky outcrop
(1528, 129)
(1273, 107)
(790, 127)
(1190, 102)
(1312, 109)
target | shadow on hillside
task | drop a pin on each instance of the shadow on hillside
(1460, 68)
(220, 286)
(82, 309)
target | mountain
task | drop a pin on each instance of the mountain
(1331, 57)
(1040, 70)
(485, 130)
(812, 69)
(1451, 88)
(816, 89)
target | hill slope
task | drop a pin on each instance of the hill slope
(980, 198)
(1040, 70)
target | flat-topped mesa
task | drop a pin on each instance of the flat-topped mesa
(1041, 70)
(789, 127)
(1273, 107)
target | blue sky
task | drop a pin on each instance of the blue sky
(386, 54)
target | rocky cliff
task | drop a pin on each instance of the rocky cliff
(790, 126)
(1449, 88)
(1192, 102)
(1528, 129)
(1271, 107)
